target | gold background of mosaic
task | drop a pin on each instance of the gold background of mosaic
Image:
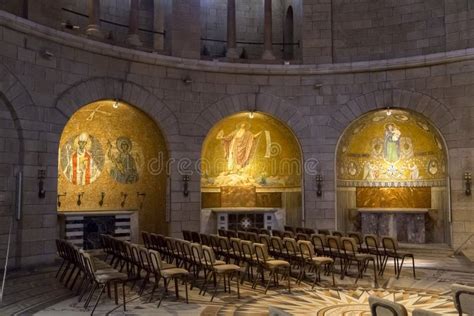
(284, 165)
(393, 197)
(421, 148)
(148, 143)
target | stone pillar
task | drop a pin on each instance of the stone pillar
(93, 27)
(231, 30)
(158, 24)
(267, 39)
(133, 38)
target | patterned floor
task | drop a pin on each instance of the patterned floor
(36, 292)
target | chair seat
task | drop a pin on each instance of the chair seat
(277, 263)
(173, 272)
(112, 276)
(222, 268)
(322, 260)
(167, 266)
(364, 256)
(399, 254)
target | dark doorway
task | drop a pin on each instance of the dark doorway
(288, 35)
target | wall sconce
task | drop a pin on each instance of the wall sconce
(79, 197)
(141, 198)
(185, 185)
(101, 201)
(319, 185)
(41, 177)
(187, 80)
(59, 198)
(124, 198)
(467, 180)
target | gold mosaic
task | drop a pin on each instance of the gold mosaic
(113, 155)
(391, 148)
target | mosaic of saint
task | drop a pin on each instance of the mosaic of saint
(394, 148)
(124, 160)
(244, 151)
(81, 159)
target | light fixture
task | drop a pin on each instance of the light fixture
(59, 198)
(317, 85)
(46, 54)
(389, 111)
(187, 80)
(79, 198)
(116, 104)
(102, 197)
(185, 185)
(124, 198)
(319, 185)
(251, 114)
(41, 177)
(467, 180)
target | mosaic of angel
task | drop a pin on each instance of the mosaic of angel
(123, 161)
(82, 159)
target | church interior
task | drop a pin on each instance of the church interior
(236, 157)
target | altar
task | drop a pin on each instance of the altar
(239, 218)
(404, 224)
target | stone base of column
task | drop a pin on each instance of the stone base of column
(268, 55)
(134, 40)
(92, 30)
(232, 53)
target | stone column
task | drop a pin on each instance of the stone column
(231, 30)
(267, 39)
(133, 38)
(93, 27)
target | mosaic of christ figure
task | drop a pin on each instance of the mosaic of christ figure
(239, 147)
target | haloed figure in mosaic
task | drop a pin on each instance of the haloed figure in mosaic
(239, 147)
(392, 143)
(79, 163)
(124, 164)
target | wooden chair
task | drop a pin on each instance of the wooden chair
(383, 307)
(314, 261)
(362, 259)
(391, 250)
(267, 263)
(167, 275)
(219, 271)
(463, 298)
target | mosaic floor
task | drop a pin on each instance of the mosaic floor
(36, 292)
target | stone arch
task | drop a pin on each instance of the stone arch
(95, 89)
(419, 102)
(277, 107)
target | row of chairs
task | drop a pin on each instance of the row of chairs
(95, 274)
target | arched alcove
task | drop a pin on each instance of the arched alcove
(111, 159)
(288, 35)
(251, 162)
(393, 161)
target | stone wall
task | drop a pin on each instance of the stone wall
(316, 102)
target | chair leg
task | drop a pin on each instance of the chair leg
(400, 267)
(186, 289)
(215, 287)
(238, 286)
(164, 293)
(60, 267)
(269, 280)
(98, 299)
(123, 295)
(89, 297)
(413, 264)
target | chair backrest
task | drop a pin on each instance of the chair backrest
(463, 298)
(334, 245)
(224, 244)
(155, 260)
(266, 240)
(307, 248)
(289, 228)
(263, 231)
(288, 234)
(261, 253)
(235, 245)
(242, 235)
(389, 243)
(231, 233)
(319, 241)
(246, 247)
(187, 235)
(277, 233)
(337, 233)
(253, 237)
(302, 236)
(221, 232)
(309, 231)
(88, 263)
(349, 245)
(324, 232)
(146, 239)
(195, 237)
(291, 246)
(209, 256)
(277, 244)
(144, 258)
(372, 241)
(383, 307)
(357, 236)
(299, 230)
(196, 253)
(205, 239)
(253, 229)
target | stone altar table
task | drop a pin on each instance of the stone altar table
(404, 224)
